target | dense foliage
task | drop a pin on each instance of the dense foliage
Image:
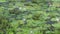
(29, 17)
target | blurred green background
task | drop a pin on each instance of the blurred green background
(29, 16)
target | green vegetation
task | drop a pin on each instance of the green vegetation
(29, 17)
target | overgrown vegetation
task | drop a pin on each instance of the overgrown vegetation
(29, 17)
